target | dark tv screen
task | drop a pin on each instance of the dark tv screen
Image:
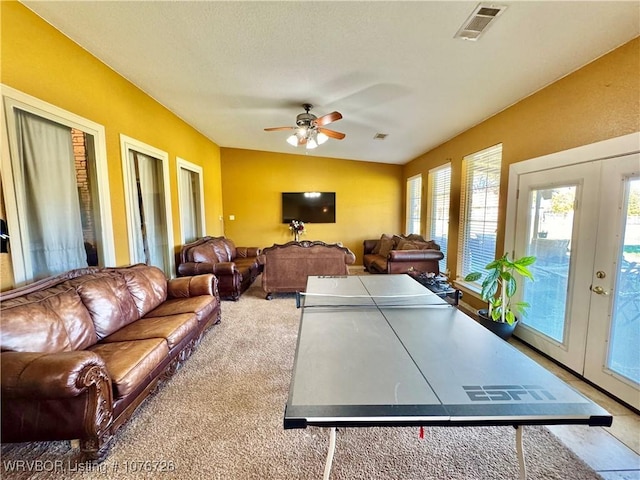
(311, 207)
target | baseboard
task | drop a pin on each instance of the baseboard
(357, 270)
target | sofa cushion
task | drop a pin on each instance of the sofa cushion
(378, 245)
(173, 328)
(203, 253)
(414, 237)
(51, 321)
(386, 245)
(247, 266)
(220, 250)
(130, 363)
(230, 247)
(109, 302)
(147, 285)
(412, 245)
(202, 306)
(378, 264)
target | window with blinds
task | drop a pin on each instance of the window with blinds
(438, 219)
(414, 200)
(479, 210)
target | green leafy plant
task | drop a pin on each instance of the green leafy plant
(500, 285)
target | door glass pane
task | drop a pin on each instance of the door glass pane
(549, 240)
(624, 355)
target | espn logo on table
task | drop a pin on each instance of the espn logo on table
(497, 393)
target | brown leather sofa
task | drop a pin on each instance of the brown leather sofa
(401, 254)
(286, 267)
(81, 351)
(235, 267)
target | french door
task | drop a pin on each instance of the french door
(582, 222)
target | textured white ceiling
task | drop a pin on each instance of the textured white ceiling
(230, 69)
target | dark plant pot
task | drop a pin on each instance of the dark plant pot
(503, 330)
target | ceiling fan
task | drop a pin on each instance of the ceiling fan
(309, 129)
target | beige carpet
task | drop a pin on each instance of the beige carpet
(220, 417)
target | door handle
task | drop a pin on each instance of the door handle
(599, 290)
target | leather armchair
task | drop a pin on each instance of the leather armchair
(235, 267)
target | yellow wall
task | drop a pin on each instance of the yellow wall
(597, 102)
(38, 60)
(368, 197)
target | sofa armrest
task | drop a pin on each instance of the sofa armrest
(50, 375)
(184, 287)
(225, 268)
(247, 252)
(350, 258)
(188, 269)
(414, 255)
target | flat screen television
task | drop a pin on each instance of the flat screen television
(311, 207)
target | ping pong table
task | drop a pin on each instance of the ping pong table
(382, 350)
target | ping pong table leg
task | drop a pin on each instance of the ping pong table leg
(520, 452)
(332, 448)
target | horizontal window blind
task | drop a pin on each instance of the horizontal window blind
(479, 210)
(414, 200)
(439, 198)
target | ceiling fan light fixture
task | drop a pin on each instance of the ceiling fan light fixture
(311, 143)
(310, 130)
(321, 138)
(293, 140)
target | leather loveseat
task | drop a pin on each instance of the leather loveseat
(81, 351)
(235, 267)
(286, 267)
(401, 254)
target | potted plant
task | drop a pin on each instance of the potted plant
(498, 288)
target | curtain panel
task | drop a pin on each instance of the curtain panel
(49, 208)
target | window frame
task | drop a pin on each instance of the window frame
(183, 164)
(126, 145)
(431, 210)
(409, 220)
(465, 199)
(15, 99)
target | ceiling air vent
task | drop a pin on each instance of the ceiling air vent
(478, 22)
(380, 136)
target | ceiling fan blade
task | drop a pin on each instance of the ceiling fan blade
(273, 129)
(332, 133)
(328, 118)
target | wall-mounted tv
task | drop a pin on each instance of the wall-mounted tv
(311, 207)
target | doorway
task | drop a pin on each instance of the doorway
(580, 217)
